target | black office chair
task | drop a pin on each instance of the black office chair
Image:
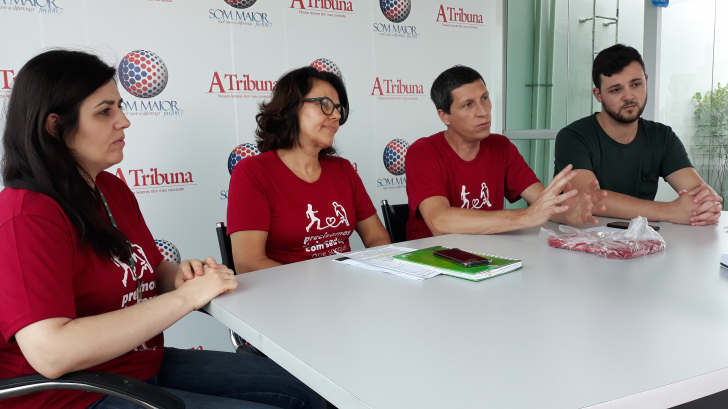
(226, 253)
(395, 220)
(226, 248)
(130, 389)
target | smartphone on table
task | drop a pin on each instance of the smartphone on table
(461, 257)
(624, 225)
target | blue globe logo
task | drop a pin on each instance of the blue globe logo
(326, 65)
(241, 152)
(394, 155)
(240, 4)
(395, 11)
(143, 74)
(168, 250)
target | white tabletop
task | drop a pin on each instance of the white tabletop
(569, 330)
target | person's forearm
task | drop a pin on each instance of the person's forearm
(622, 206)
(165, 275)
(378, 241)
(255, 265)
(468, 221)
(86, 342)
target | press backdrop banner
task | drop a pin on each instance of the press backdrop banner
(192, 74)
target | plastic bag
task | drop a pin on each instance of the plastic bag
(638, 240)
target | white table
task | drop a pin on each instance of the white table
(569, 330)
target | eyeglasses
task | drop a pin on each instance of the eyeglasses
(328, 106)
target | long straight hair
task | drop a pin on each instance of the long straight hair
(57, 82)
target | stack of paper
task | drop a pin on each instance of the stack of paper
(382, 259)
(424, 259)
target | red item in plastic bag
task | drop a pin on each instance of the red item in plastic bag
(638, 240)
(630, 249)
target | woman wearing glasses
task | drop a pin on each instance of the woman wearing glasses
(296, 200)
(82, 284)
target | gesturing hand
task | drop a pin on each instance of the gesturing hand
(550, 201)
(583, 205)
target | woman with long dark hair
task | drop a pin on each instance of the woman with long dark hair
(297, 200)
(82, 284)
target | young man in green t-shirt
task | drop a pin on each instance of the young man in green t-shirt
(627, 154)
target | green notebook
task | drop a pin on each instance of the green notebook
(424, 258)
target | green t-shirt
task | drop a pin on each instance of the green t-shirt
(632, 169)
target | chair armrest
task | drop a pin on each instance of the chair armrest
(130, 389)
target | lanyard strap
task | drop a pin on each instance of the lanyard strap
(131, 256)
(113, 223)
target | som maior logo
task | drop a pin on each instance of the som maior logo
(327, 8)
(393, 158)
(155, 181)
(239, 16)
(326, 65)
(457, 17)
(396, 11)
(32, 6)
(7, 78)
(144, 75)
(169, 251)
(240, 152)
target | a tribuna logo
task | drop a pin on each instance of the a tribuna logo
(396, 87)
(337, 5)
(7, 77)
(154, 178)
(231, 83)
(451, 14)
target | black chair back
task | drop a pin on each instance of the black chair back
(395, 220)
(226, 248)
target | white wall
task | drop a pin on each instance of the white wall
(196, 39)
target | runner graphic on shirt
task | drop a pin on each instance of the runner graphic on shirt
(464, 198)
(331, 222)
(311, 214)
(341, 213)
(477, 203)
(141, 264)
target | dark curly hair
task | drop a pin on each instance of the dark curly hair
(613, 60)
(278, 118)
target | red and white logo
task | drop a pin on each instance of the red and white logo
(397, 89)
(155, 181)
(457, 17)
(7, 78)
(240, 86)
(323, 8)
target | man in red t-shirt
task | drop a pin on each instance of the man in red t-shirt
(452, 174)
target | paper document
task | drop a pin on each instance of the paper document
(382, 259)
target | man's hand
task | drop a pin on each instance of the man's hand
(583, 205)
(708, 205)
(550, 202)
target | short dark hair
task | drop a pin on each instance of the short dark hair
(450, 79)
(278, 118)
(57, 82)
(613, 60)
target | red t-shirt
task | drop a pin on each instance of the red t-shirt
(303, 220)
(48, 273)
(434, 169)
